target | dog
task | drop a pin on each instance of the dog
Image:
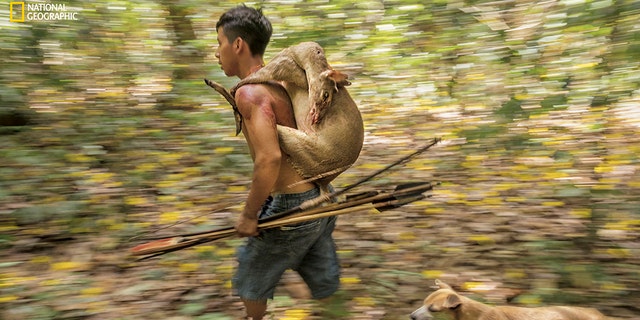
(447, 301)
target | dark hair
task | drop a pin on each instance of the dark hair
(249, 24)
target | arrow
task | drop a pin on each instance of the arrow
(402, 195)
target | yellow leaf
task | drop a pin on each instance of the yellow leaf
(503, 187)
(101, 177)
(603, 168)
(169, 217)
(603, 186)
(364, 301)
(135, 200)
(7, 228)
(201, 249)
(432, 274)
(225, 252)
(586, 65)
(184, 205)
(349, 280)
(189, 267)
(193, 171)
(622, 225)
(93, 291)
(610, 286)
(389, 247)
(529, 300)
(371, 166)
(9, 298)
(223, 150)
(167, 183)
(167, 198)
(471, 285)
(41, 259)
(170, 159)
(619, 252)
(538, 130)
(116, 226)
(68, 265)
(581, 213)
(482, 239)
(515, 274)
(50, 282)
(224, 269)
(555, 175)
(516, 199)
(407, 236)
(296, 314)
(492, 201)
(610, 180)
(12, 281)
(77, 157)
(236, 189)
(553, 203)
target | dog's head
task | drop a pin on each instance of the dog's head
(443, 300)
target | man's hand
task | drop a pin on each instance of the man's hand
(247, 226)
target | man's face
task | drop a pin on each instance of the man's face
(226, 55)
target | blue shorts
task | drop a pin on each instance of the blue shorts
(307, 248)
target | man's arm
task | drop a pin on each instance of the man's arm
(259, 129)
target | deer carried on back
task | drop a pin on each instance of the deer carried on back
(330, 131)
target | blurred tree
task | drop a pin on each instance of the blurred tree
(187, 59)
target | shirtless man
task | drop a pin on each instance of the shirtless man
(308, 248)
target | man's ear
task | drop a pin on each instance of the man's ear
(452, 302)
(237, 44)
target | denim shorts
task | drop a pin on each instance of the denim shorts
(307, 248)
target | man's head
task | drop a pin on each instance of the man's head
(249, 24)
(243, 35)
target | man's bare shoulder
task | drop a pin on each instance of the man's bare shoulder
(252, 94)
(270, 96)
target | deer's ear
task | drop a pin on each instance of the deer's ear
(453, 301)
(339, 78)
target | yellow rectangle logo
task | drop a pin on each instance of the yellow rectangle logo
(13, 6)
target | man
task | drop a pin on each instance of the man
(308, 248)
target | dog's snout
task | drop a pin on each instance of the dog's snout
(421, 313)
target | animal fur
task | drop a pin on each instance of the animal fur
(447, 301)
(330, 131)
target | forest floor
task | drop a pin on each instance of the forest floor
(525, 255)
(503, 227)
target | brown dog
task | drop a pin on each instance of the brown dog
(447, 301)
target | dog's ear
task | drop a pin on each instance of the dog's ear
(443, 285)
(453, 301)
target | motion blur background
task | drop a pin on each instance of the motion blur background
(107, 131)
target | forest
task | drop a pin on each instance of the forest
(107, 132)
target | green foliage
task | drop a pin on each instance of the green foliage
(107, 130)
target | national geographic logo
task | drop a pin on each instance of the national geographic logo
(25, 11)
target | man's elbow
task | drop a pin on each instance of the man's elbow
(271, 160)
